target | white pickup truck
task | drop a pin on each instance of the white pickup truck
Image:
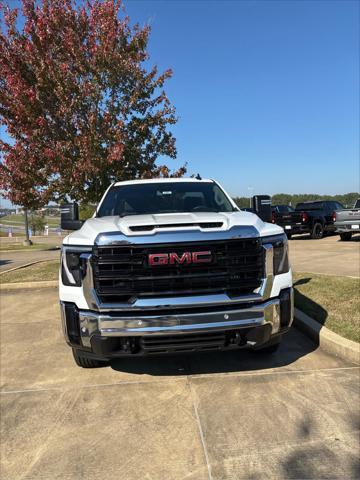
(171, 265)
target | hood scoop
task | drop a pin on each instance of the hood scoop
(149, 228)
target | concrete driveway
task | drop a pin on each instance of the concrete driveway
(232, 415)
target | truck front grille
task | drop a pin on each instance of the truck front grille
(122, 273)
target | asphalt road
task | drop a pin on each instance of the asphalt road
(234, 415)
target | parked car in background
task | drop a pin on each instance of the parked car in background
(316, 218)
(281, 215)
(347, 221)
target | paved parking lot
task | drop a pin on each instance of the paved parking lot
(208, 416)
(329, 255)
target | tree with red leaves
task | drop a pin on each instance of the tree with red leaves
(78, 102)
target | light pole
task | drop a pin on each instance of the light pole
(251, 189)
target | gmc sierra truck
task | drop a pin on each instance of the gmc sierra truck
(171, 265)
(347, 222)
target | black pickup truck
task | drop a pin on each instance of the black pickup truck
(316, 218)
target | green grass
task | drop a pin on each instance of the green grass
(20, 219)
(331, 301)
(17, 234)
(15, 246)
(43, 271)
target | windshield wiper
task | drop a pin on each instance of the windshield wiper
(122, 215)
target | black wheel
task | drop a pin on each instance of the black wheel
(317, 231)
(345, 236)
(269, 347)
(86, 362)
(289, 235)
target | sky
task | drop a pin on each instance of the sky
(267, 92)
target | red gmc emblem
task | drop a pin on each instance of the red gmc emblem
(174, 258)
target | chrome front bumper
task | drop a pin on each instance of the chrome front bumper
(118, 325)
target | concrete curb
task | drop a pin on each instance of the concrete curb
(327, 340)
(25, 250)
(28, 285)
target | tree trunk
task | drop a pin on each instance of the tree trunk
(27, 240)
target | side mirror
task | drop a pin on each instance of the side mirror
(262, 207)
(70, 217)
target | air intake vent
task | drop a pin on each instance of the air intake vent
(182, 343)
(149, 228)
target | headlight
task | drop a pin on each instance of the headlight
(73, 265)
(280, 249)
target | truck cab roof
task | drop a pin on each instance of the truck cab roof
(163, 180)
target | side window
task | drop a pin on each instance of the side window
(218, 197)
(335, 206)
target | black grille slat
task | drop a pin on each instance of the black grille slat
(120, 275)
(185, 342)
(166, 292)
(122, 272)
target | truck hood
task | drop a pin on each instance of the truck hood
(150, 225)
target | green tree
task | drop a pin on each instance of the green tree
(37, 224)
(86, 211)
(242, 202)
(346, 199)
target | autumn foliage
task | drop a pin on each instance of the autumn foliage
(78, 102)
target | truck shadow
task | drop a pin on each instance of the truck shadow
(306, 304)
(4, 261)
(352, 240)
(307, 236)
(294, 346)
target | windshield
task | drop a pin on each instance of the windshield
(284, 208)
(152, 198)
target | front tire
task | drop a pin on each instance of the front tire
(345, 236)
(86, 362)
(317, 231)
(289, 235)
